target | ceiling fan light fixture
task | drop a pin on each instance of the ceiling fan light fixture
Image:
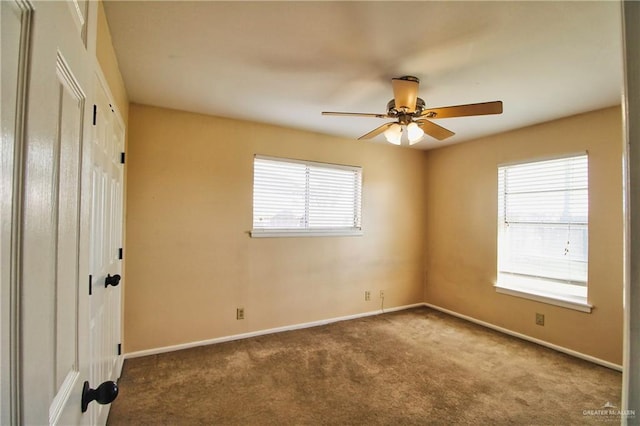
(414, 133)
(393, 134)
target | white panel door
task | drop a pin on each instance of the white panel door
(61, 211)
(107, 145)
(66, 237)
(54, 228)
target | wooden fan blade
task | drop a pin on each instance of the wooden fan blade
(483, 108)
(405, 93)
(375, 132)
(433, 130)
(355, 114)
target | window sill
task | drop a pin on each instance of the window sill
(259, 233)
(578, 303)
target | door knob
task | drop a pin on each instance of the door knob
(103, 394)
(113, 280)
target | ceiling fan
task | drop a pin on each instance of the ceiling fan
(411, 113)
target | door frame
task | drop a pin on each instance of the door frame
(12, 193)
(631, 193)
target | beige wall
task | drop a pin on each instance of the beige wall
(109, 64)
(191, 263)
(461, 231)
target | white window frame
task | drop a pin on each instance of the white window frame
(541, 289)
(355, 230)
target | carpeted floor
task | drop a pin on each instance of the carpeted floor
(412, 367)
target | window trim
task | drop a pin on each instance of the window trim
(578, 303)
(535, 288)
(284, 233)
(309, 232)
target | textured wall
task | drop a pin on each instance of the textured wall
(461, 230)
(191, 262)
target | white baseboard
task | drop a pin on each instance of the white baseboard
(230, 338)
(172, 348)
(528, 338)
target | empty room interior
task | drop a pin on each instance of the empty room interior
(360, 213)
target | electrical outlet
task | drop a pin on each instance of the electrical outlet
(240, 313)
(367, 295)
(381, 294)
(539, 319)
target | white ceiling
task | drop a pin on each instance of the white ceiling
(286, 62)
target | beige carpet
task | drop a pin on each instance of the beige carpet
(413, 367)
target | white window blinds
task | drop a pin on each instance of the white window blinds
(293, 195)
(543, 210)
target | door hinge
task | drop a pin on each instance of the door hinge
(90, 285)
(120, 253)
(95, 113)
(122, 158)
(119, 348)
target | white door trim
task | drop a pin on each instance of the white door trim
(12, 182)
(631, 156)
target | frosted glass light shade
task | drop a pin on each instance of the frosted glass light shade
(393, 134)
(414, 133)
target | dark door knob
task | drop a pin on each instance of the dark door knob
(103, 394)
(113, 280)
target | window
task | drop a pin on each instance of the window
(543, 230)
(303, 198)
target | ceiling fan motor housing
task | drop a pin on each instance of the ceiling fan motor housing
(393, 112)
